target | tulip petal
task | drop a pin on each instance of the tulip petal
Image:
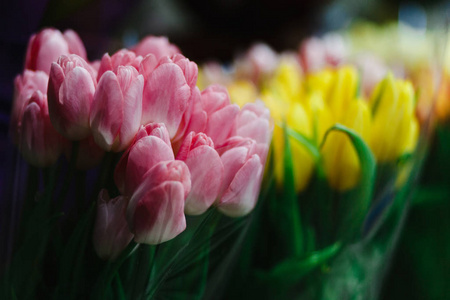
(232, 161)
(240, 197)
(107, 111)
(159, 213)
(75, 98)
(220, 123)
(145, 154)
(206, 179)
(166, 95)
(75, 44)
(132, 112)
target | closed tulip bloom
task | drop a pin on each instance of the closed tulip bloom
(25, 85)
(243, 170)
(122, 57)
(340, 159)
(151, 146)
(48, 45)
(205, 166)
(116, 109)
(395, 125)
(168, 87)
(155, 213)
(343, 89)
(221, 114)
(71, 90)
(111, 234)
(38, 141)
(159, 46)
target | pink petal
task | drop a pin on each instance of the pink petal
(258, 129)
(221, 123)
(144, 154)
(232, 161)
(75, 44)
(166, 95)
(132, 110)
(148, 64)
(158, 214)
(241, 196)
(207, 173)
(169, 170)
(107, 111)
(105, 65)
(111, 234)
(215, 97)
(75, 98)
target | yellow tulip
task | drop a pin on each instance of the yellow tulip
(395, 128)
(343, 90)
(242, 91)
(340, 159)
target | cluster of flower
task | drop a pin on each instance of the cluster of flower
(184, 150)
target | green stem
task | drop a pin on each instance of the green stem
(70, 173)
(111, 268)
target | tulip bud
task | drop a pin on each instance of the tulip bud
(71, 89)
(45, 47)
(150, 147)
(243, 171)
(206, 169)
(122, 57)
(156, 210)
(116, 109)
(111, 234)
(167, 91)
(340, 160)
(220, 113)
(25, 86)
(395, 127)
(39, 143)
(159, 46)
(343, 90)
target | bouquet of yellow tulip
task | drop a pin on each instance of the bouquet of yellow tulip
(341, 169)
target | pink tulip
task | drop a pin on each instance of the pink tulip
(111, 234)
(155, 213)
(122, 57)
(46, 46)
(317, 53)
(38, 141)
(71, 89)
(158, 46)
(206, 169)
(260, 61)
(243, 171)
(151, 146)
(117, 108)
(25, 85)
(221, 114)
(168, 87)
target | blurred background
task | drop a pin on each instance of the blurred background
(220, 29)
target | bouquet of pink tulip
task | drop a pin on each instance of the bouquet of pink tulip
(139, 184)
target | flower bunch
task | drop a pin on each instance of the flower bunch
(344, 156)
(175, 150)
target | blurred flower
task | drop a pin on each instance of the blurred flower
(111, 234)
(395, 128)
(48, 45)
(38, 142)
(159, 46)
(155, 213)
(117, 108)
(71, 90)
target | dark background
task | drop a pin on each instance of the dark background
(207, 29)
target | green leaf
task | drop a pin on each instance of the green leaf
(354, 206)
(309, 144)
(289, 272)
